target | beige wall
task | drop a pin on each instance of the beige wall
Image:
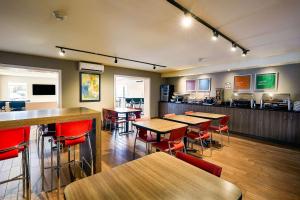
(288, 80)
(70, 79)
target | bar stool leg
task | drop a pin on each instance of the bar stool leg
(228, 136)
(58, 169)
(43, 164)
(28, 185)
(51, 142)
(24, 174)
(91, 154)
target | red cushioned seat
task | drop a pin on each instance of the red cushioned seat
(202, 164)
(217, 128)
(196, 136)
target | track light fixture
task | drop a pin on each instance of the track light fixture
(62, 53)
(233, 47)
(244, 52)
(186, 20)
(154, 67)
(216, 33)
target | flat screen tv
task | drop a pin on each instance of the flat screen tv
(40, 89)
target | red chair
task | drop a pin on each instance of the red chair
(12, 142)
(136, 116)
(174, 143)
(144, 136)
(223, 127)
(70, 134)
(106, 117)
(169, 115)
(117, 122)
(200, 133)
(202, 164)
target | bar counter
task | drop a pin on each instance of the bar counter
(272, 125)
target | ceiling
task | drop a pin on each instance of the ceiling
(150, 31)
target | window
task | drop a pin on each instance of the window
(17, 91)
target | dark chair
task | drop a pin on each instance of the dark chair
(2, 105)
(202, 164)
(17, 105)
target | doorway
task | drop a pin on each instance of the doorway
(132, 92)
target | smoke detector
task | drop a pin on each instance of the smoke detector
(59, 15)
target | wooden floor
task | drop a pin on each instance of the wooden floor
(260, 170)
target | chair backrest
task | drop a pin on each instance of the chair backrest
(188, 112)
(2, 105)
(170, 115)
(205, 126)
(224, 121)
(12, 138)
(17, 105)
(202, 164)
(177, 134)
(105, 114)
(138, 115)
(73, 129)
(142, 132)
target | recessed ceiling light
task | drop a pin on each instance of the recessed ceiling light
(187, 20)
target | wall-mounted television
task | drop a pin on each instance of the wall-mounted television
(42, 89)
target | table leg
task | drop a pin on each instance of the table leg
(126, 126)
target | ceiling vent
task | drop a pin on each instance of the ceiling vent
(59, 15)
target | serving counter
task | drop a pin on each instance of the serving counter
(273, 125)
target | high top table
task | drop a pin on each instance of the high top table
(156, 176)
(50, 116)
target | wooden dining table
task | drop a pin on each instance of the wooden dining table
(212, 116)
(125, 111)
(159, 126)
(189, 120)
(50, 116)
(156, 176)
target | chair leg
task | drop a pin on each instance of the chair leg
(228, 136)
(58, 169)
(201, 143)
(210, 144)
(134, 144)
(221, 134)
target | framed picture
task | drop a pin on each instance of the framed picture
(266, 81)
(242, 83)
(204, 84)
(190, 85)
(89, 87)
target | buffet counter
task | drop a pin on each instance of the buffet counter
(273, 125)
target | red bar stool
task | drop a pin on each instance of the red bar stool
(202, 164)
(200, 133)
(12, 142)
(70, 134)
(174, 143)
(223, 127)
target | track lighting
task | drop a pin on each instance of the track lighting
(116, 60)
(233, 47)
(186, 20)
(154, 67)
(215, 35)
(244, 52)
(62, 52)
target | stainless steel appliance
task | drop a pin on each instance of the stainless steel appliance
(276, 101)
(243, 100)
(166, 92)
